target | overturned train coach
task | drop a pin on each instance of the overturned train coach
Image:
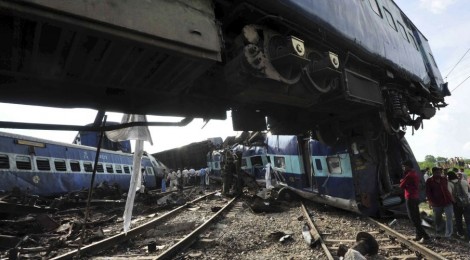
(358, 175)
(306, 65)
(42, 167)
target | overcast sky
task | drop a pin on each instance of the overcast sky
(446, 25)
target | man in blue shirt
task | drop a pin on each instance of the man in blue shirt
(202, 177)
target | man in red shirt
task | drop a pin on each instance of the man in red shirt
(440, 200)
(410, 184)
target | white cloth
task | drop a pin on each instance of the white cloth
(352, 254)
(135, 182)
(140, 134)
(268, 176)
(131, 133)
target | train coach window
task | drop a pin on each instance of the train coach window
(88, 167)
(126, 169)
(99, 167)
(375, 7)
(334, 165)
(413, 40)
(318, 164)
(118, 169)
(4, 162)
(75, 166)
(433, 60)
(279, 162)
(43, 164)
(109, 168)
(23, 163)
(60, 165)
(244, 162)
(256, 160)
(390, 20)
(149, 170)
(402, 31)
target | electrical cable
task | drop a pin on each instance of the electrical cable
(460, 84)
(457, 63)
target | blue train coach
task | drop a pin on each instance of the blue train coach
(43, 167)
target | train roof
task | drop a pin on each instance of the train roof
(40, 140)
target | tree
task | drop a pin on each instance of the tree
(429, 159)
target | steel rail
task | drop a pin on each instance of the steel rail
(119, 238)
(315, 234)
(38, 126)
(193, 236)
(428, 253)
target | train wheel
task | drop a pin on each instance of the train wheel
(318, 75)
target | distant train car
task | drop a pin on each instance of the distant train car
(194, 155)
(45, 168)
(253, 162)
(216, 160)
(349, 175)
(214, 163)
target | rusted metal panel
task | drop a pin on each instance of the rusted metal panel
(187, 26)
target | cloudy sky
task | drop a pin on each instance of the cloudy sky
(446, 25)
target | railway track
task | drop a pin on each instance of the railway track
(337, 227)
(274, 232)
(145, 233)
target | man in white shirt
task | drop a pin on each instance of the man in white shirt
(185, 176)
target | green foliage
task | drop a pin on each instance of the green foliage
(425, 164)
(430, 159)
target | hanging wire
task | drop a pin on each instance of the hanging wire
(457, 63)
(460, 84)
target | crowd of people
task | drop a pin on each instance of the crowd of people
(447, 193)
(178, 179)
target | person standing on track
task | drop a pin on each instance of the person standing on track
(410, 183)
(440, 200)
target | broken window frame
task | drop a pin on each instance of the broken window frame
(333, 169)
(109, 168)
(280, 162)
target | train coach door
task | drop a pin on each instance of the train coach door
(304, 147)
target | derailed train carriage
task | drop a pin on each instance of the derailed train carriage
(349, 174)
(306, 65)
(47, 168)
